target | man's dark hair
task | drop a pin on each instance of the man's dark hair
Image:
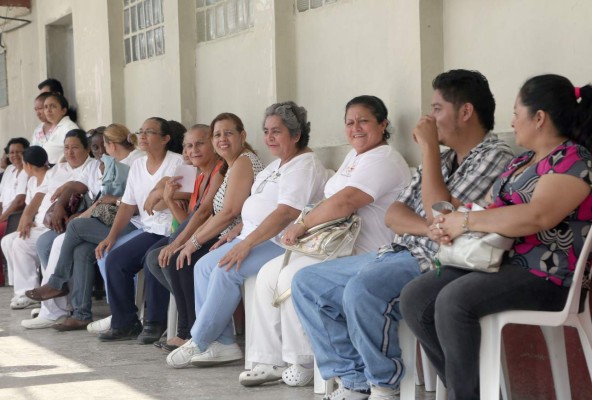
(460, 86)
(55, 86)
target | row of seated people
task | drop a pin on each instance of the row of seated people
(344, 312)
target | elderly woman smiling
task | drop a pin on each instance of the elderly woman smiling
(279, 193)
(369, 179)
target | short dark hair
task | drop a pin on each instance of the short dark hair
(294, 118)
(80, 134)
(55, 86)
(556, 95)
(35, 155)
(176, 131)
(19, 140)
(460, 86)
(376, 107)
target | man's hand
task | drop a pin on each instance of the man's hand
(426, 133)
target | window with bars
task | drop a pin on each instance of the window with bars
(143, 29)
(304, 5)
(3, 81)
(220, 18)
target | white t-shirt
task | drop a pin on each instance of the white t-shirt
(297, 183)
(133, 156)
(14, 182)
(139, 184)
(92, 177)
(381, 173)
(38, 138)
(31, 189)
(54, 145)
(56, 177)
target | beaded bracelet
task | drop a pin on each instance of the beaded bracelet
(195, 243)
(465, 225)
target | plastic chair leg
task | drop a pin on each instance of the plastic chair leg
(584, 327)
(172, 318)
(555, 340)
(408, 345)
(505, 381)
(441, 393)
(429, 373)
(490, 358)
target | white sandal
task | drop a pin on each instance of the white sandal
(261, 373)
(297, 375)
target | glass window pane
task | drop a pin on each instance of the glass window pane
(200, 3)
(150, 43)
(157, 11)
(302, 5)
(243, 14)
(141, 20)
(211, 24)
(128, 51)
(231, 17)
(135, 48)
(125, 3)
(220, 25)
(201, 27)
(134, 18)
(142, 46)
(126, 22)
(148, 11)
(159, 41)
(316, 3)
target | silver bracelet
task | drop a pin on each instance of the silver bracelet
(195, 243)
(465, 225)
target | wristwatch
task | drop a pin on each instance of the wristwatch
(118, 202)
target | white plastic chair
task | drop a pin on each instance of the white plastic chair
(172, 318)
(551, 323)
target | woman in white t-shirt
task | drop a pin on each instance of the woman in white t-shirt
(57, 111)
(76, 248)
(278, 195)
(20, 247)
(41, 132)
(122, 263)
(13, 188)
(367, 182)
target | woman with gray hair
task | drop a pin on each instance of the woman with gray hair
(279, 193)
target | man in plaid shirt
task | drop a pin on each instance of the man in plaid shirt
(349, 307)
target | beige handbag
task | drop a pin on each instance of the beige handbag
(475, 251)
(325, 241)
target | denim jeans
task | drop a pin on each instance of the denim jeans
(76, 261)
(349, 308)
(218, 292)
(443, 312)
(44, 246)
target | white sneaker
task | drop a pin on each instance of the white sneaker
(181, 357)
(217, 353)
(346, 394)
(40, 322)
(100, 326)
(383, 393)
(20, 302)
(35, 312)
(297, 375)
(261, 373)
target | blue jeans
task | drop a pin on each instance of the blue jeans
(218, 292)
(43, 245)
(443, 312)
(349, 308)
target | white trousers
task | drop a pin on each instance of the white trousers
(55, 308)
(22, 255)
(275, 334)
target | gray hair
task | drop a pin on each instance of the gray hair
(294, 118)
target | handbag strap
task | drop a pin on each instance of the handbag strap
(279, 299)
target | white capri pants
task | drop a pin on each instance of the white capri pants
(55, 308)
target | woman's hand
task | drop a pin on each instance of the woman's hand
(447, 227)
(59, 218)
(292, 233)
(104, 247)
(24, 229)
(185, 252)
(229, 237)
(164, 257)
(151, 201)
(170, 188)
(236, 255)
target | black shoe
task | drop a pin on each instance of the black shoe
(152, 332)
(128, 333)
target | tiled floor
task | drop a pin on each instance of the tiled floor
(46, 364)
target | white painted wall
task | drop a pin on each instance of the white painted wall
(510, 41)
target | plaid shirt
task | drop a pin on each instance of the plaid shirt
(469, 183)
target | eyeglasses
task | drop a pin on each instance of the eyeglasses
(150, 132)
(273, 178)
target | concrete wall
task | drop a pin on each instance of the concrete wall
(510, 41)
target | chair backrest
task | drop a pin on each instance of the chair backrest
(572, 304)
